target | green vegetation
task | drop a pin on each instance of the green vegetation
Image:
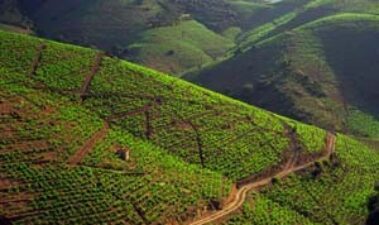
(157, 22)
(259, 33)
(187, 144)
(192, 117)
(313, 141)
(40, 131)
(304, 72)
(311, 197)
(363, 124)
(118, 26)
(57, 66)
(352, 171)
(21, 58)
(260, 210)
(178, 47)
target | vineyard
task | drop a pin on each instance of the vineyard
(38, 186)
(334, 192)
(187, 121)
(66, 111)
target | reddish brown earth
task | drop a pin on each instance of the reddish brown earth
(89, 145)
(87, 81)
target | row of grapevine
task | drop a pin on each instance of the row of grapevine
(105, 189)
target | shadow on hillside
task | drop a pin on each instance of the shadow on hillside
(353, 55)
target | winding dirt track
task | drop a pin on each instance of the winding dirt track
(243, 191)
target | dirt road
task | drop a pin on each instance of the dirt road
(241, 194)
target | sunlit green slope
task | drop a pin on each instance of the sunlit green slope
(335, 192)
(44, 180)
(66, 110)
(190, 122)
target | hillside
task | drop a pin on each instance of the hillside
(279, 55)
(146, 31)
(322, 72)
(117, 27)
(44, 179)
(188, 44)
(162, 109)
(66, 110)
(334, 192)
(290, 14)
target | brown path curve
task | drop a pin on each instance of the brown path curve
(241, 194)
(89, 145)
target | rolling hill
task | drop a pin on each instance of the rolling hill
(284, 54)
(188, 44)
(316, 64)
(146, 31)
(119, 27)
(68, 114)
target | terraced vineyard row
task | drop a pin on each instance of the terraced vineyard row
(187, 145)
(187, 121)
(38, 186)
(333, 192)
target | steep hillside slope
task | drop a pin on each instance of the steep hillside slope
(75, 108)
(185, 120)
(323, 72)
(116, 26)
(11, 13)
(334, 192)
(290, 14)
(147, 31)
(44, 179)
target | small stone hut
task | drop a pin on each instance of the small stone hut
(123, 153)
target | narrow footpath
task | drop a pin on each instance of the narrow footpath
(89, 145)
